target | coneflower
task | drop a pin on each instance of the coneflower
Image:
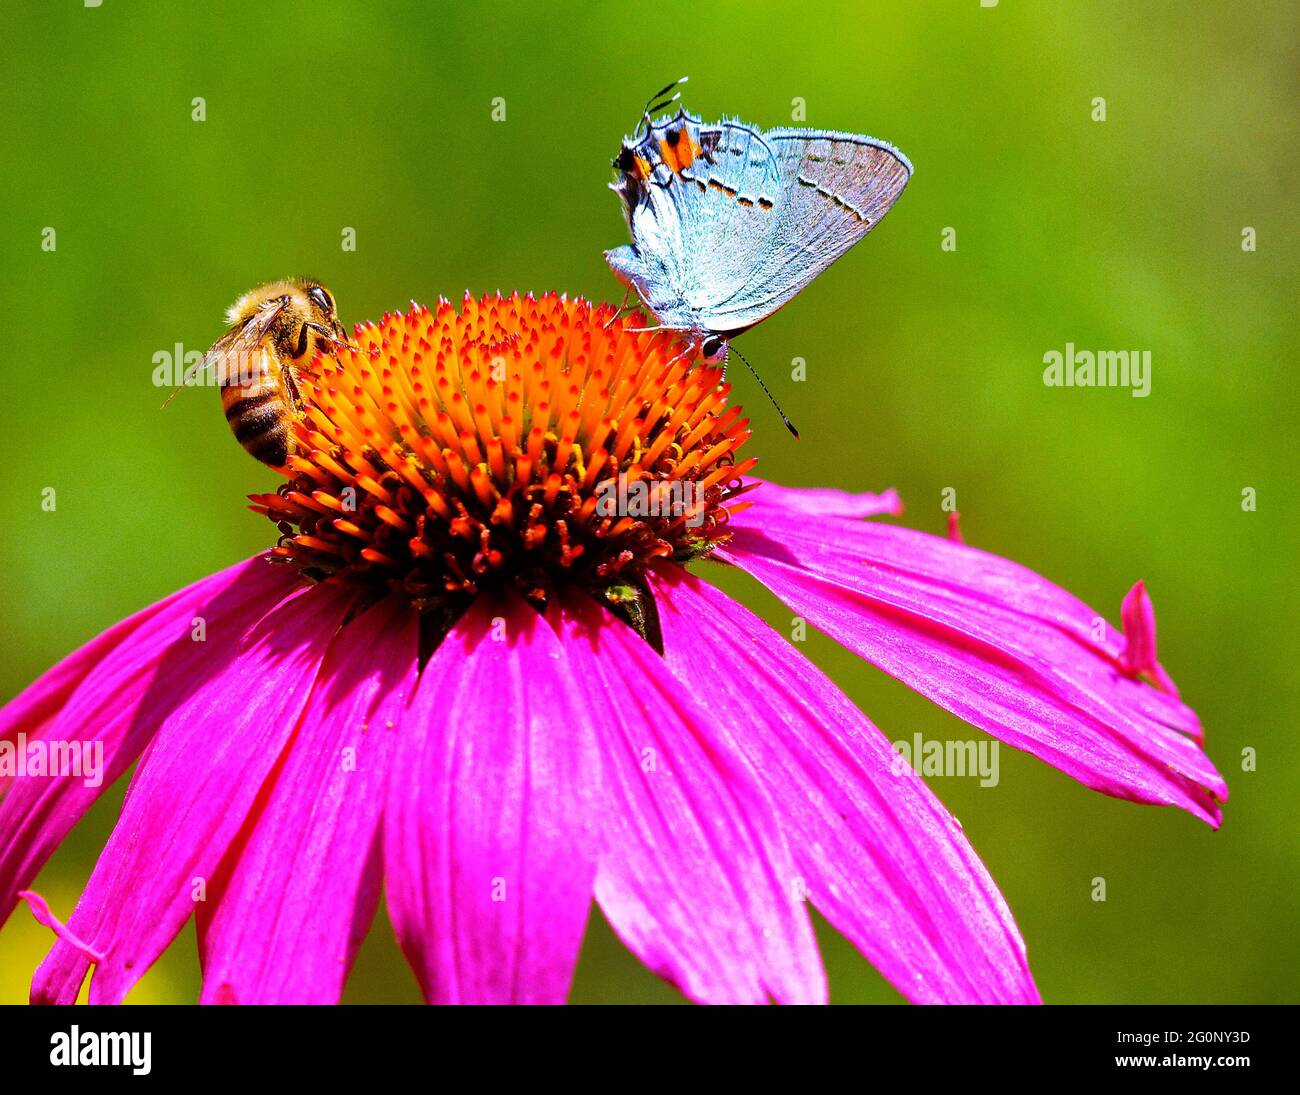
(479, 669)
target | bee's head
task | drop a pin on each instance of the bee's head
(323, 308)
(320, 302)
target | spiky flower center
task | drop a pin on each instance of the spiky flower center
(518, 442)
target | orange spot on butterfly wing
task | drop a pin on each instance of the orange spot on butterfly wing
(669, 154)
(685, 148)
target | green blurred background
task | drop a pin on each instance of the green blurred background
(924, 366)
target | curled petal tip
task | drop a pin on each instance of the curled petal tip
(954, 528)
(42, 914)
(1138, 616)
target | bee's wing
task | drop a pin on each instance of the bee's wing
(235, 343)
(252, 334)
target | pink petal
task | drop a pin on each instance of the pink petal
(36, 704)
(778, 514)
(997, 582)
(993, 643)
(772, 500)
(1139, 619)
(189, 798)
(284, 925)
(42, 915)
(964, 570)
(490, 835)
(879, 855)
(696, 878)
(120, 695)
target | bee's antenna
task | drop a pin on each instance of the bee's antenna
(653, 105)
(788, 424)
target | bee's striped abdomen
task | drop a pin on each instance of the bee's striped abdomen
(259, 421)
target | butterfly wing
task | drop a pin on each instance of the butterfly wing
(652, 266)
(733, 223)
(725, 204)
(699, 219)
(836, 187)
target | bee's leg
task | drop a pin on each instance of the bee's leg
(331, 337)
(291, 386)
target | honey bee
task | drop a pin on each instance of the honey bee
(275, 330)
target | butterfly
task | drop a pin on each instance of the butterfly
(730, 222)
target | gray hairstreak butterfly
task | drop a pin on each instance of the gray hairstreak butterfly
(729, 222)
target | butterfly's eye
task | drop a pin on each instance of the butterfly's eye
(714, 349)
(625, 160)
(320, 298)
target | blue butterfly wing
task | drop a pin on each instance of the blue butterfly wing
(723, 207)
(722, 243)
(836, 187)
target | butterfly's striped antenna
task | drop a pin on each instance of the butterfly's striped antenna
(788, 424)
(652, 104)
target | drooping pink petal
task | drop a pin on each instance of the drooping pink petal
(41, 700)
(119, 698)
(189, 798)
(781, 515)
(992, 642)
(879, 854)
(696, 877)
(282, 924)
(492, 818)
(837, 533)
(37, 704)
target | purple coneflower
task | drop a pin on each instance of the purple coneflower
(484, 675)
